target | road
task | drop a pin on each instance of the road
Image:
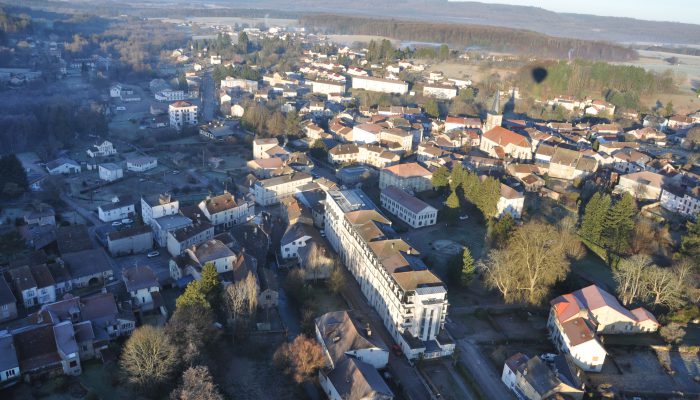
(404, 373)
(208, 100)
(482, 371)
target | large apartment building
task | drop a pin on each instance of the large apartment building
(410, 299)
(379, 85)
(182, 113)
(270, 191)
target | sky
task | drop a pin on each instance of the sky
(654, 10)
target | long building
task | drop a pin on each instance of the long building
(410, 299)
(379, 85)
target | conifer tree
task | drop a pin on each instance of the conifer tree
(441, 178)
(619, 223)
(468, 267)
(594, 217)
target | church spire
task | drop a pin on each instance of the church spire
(496, 107)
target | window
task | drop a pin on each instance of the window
(73, 364)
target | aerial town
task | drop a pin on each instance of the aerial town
(246, 208)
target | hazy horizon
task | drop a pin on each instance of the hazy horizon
(685, 11)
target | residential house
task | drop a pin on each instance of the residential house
(533, 379)
(576, 318)
(215, 252)
(341, 336)
(500, 142)
(8, 305)
(225, 211)
(104, 149)
(63, 166)
(510, 202)
(440, 91)
(410, 177)
(120, 208)
(366, 133)
(570, 164)
(164, 225)
(271, 191)
(629, 160)
(181, 239)
(110, 172)
(41, 216)
(24, 284)
(138, 239)
(401, 138)
(154, 207)
(265, 167)
(45, 285)
(88, 267)
(407, 208)
(677, 122)
(268, 148)
(143, 287)
(682, 200)
(644, 185)
(9, 365)
(297, 235)
(327, 87)
(141, 164)
(354, 379)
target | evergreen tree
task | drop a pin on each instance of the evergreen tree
(243, 43)
(441, 177)
(291, 123)
(690, 243)
(13, 178)
(456, 176)
(452, 204)
(619, 223)
(192, 297)
(210, 285)
(444, 52)
(594, 217)
(468, 268)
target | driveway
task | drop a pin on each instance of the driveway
(486, 377)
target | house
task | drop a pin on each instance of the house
(269, 289)
(138, 239)
(268, 148)
(644, 185)
(45, 285)
(265, 167)
(8, 304)
(271, 191)
(182, 113)
(510, 202)
(411, 177)
(24, 284)
(87, 267)
(327, 87)
(141, 164)
(297, 235)
(225, 211)
(41, 216)
(533, 379)
(216, 131)
(680, 122)
(215, 252)
(576, 318)
(400, 138)
(366, 133)
(629, 160)
(237, 111)
(354, 379)
(63, 281)
(9, 365)
(341, 336)
(110, 172)
(63, 166)
(117, 210)
(104, 149)
(164, 225)
(243, 84)
(316, 260)
(143, 287)
(154, 207)
(407, 208)
(500, 142)
(570, 164)
(181, 239)
(47, 349)
(684, 201)
(373, 84)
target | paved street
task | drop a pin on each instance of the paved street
(486, 377)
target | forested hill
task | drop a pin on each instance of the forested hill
(459, 35)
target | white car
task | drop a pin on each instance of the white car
(127, 221)
(464, 217)
(116, 223)
(153, 254)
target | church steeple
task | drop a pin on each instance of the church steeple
(494, 117)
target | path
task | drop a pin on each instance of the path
(482, 371)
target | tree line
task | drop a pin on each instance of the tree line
(483, 192)
(494, 38)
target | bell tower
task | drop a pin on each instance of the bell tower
(494, 117)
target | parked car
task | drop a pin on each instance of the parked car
(397, 350)
(153, 254)
(127, 221)
(464, 217)
(116, 223)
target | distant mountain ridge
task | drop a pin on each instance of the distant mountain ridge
(579, 26)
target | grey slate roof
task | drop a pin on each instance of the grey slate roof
(357, 380)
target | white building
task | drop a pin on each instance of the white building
(225, 211)
(181, 239)
(117, 210)
(366, 133)
(270, 191)
(379, 85)
(409, 298)
(409, 209)
(644, 185)
(411, 177)
(443, 92)
(182, 113)
(141, 164)
(106, 148)
(576, 318)
(327, 87)
(243, 84)
(143, 287)
(63, 166)
(110, 172)
(159, 206)
(268, 148)
(511, 202)
(215, 60)
(171, 95)
(684, 202)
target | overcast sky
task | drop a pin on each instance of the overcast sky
(655, 10)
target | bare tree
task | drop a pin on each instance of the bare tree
(630, 274)
(337, 279)
(497, 274)
(242, 298)
(672, 333)
(301, 358)
(664, 287)
(197, 384)
(149, 358)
